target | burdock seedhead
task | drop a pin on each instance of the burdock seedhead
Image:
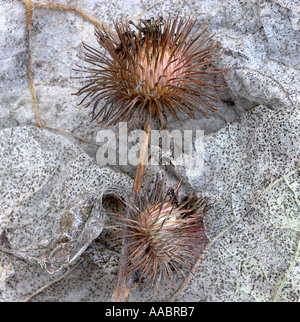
(164, 236)
(154, 68)
(149, 69)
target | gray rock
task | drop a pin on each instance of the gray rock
(251, 156)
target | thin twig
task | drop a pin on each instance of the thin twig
(27, 299)
(287, 274)
(186, 281)
(29, 8)
(78, 11)
(124, 281)
(69, 133)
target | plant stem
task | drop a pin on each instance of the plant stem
(142, 158)
(123, 284)
(124, 281)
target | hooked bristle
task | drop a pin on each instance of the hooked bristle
(165, 236)
(155, 69)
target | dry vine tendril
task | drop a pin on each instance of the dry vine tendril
(154, 69)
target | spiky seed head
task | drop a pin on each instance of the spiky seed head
(158, 67)
(164, 236)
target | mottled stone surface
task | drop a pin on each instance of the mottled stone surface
(251, 168)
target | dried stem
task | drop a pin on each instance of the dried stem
(69, 270)
(142, 157)
(83, 14)
(29, 8)
(124, 280)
